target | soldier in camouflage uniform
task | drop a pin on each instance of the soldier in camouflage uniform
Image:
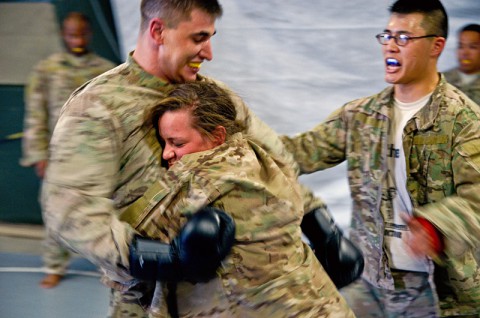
(102, 156)
(467, 75)
(413, 157)
(49, 86)
(270, 271)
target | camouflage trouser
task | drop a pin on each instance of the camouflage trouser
(122, 307)
(55, 257)
(413, 297)
(451, 308)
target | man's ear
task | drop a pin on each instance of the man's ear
(219, 135)
(156, 28)
(438, 46)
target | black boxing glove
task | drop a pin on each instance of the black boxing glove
(194, 255)
(340, 258)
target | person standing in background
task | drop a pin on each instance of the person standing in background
(48, 88)
(466, 76)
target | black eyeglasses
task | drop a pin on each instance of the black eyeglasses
(401, 39)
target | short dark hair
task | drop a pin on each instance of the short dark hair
(73, 15)
(471, 27)
(175, 11)
(435, 16)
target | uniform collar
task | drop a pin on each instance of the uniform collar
(142, 77)
(426, 116)
(383, 103)
(77, 60)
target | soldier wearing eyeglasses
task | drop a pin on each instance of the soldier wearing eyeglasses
(413, 158)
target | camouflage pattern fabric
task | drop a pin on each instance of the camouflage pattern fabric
(55, 257)
(472, 90)
(413, 297)
(442, 150)
(103, 158)
(126, 304)
(270, 271)
(48, 88)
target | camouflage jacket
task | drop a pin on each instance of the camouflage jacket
(103, 158)
(270, 271)
(48, 88)
(442, 151)
(472, 90)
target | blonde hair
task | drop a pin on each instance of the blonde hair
(210, 105)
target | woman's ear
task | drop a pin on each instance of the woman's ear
(219, 135)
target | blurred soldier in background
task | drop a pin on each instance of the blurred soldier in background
(466, 76)
(48, 88)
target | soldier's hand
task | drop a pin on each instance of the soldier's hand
(341, 259)
(40, 168)
(421, 241)
(194, 255)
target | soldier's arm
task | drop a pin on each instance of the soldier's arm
(35, 128)
(258, 131)
(182, 190)
(457, 217)
(269, 140)
(77, 194)
(321, 147)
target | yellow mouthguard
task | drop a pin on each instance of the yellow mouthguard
(78, 49)
(466, 61)
(195, 64)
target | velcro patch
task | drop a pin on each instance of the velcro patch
(430, 140)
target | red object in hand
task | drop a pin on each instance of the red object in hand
(433, 233)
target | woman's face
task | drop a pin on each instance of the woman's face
(175, 128)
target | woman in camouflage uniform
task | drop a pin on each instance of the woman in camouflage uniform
(270, 272)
